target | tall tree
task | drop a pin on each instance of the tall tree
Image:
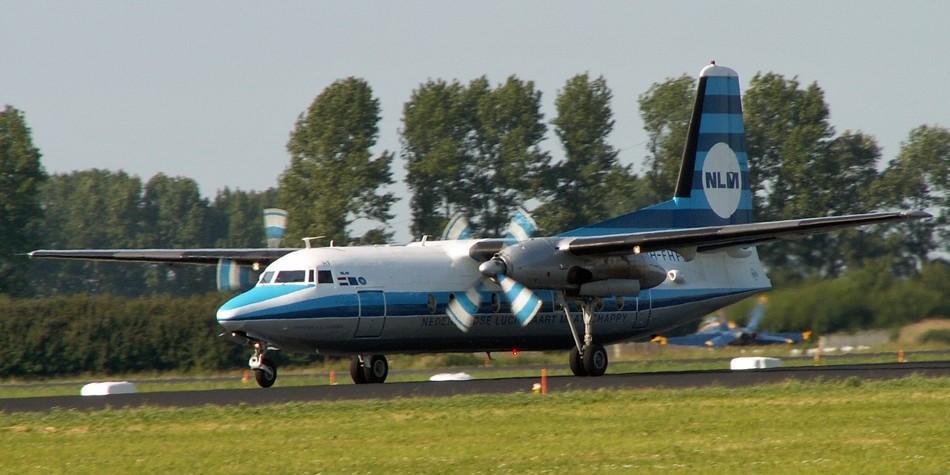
(841, 181)
(92, 209)
(918, 179)
(510, 164)
(582, 183)
(665, 109)
(333, 179)
(238, 218)
(789, 139)
(788, 134)
(175, 215)
(21, 175)
(438, 121)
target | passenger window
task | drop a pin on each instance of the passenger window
(324, 277)
(310, 275)
(265, 279)
(289, 276)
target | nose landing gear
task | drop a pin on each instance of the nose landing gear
(265, 370)
(373, 371)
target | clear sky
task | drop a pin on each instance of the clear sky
(210, 90)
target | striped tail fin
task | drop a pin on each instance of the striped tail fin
(713, 184)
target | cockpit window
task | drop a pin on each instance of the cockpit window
(287, 276)
(266, 277)
(324, 277)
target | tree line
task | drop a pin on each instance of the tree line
(476, 147)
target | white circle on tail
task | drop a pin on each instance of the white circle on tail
(722, 180)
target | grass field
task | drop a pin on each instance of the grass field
(899, 426)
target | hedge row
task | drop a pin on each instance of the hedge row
(870, 297)
(105, 334)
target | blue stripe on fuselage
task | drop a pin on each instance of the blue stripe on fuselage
(412, 304)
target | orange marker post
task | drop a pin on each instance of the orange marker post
(246, 377)
(332, 378)
(544, 380)
(900, 356)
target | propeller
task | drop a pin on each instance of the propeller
(525, 304)
(462, 307)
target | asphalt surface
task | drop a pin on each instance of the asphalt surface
(277, 395)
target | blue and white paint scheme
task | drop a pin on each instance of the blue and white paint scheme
(628, 277)
(275, 223)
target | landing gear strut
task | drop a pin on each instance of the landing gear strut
(265, 370)
(587, 358)
(374, 370)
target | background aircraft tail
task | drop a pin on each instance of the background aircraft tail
(713, 184)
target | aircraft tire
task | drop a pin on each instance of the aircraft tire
(265, 378)
(356, 371)
(595, 360)
(377, 370)
(577, 363)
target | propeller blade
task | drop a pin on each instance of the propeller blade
(521, 226)
(457, 228)
(463, 306)
(524, 304)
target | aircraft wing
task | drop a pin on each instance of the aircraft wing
(717, 237)
(261, 256)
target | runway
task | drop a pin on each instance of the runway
(278, 395)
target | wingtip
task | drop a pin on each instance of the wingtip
(917, 214)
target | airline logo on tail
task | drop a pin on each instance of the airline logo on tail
(722, 180)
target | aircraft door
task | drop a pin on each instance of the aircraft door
(372, 313)
(644, 308)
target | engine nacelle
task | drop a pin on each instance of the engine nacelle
(631, 267)
(539, 264)
(610, 288)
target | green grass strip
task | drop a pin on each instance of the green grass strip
(849, 426)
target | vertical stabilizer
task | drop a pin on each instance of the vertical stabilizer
(713, 184)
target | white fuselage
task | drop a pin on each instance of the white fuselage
(392, 299)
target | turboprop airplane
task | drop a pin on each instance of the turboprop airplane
(628, 277)
(717, 332)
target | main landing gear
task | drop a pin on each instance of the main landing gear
(587, 358)
(372, 370)
(265, 370)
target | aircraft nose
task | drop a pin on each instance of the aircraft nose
(237, 305)
(256, 301)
